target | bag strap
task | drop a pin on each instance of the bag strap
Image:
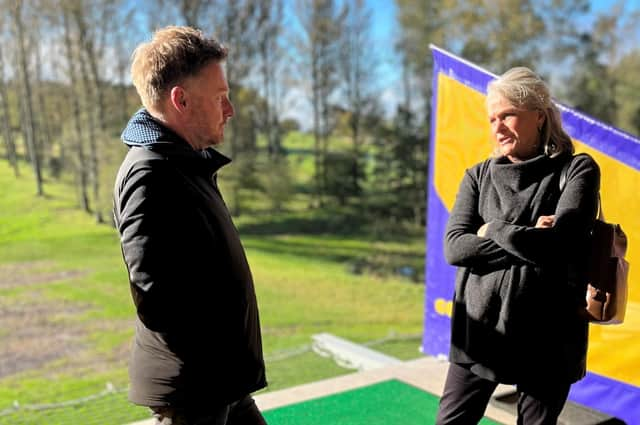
(563, 174)
(563, 183)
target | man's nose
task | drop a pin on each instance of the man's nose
(229, 110)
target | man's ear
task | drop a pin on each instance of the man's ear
(178, 98)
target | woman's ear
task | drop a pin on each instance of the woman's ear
(541, 120)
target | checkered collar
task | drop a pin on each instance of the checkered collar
(145, 131)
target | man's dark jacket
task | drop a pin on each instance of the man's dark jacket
(197, 336)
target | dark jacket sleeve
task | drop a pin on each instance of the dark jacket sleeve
(149, 210)
(462, 246)
(574, 217)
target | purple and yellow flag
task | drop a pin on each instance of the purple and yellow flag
(460, 138)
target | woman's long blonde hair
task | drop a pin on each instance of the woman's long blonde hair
(525, 89)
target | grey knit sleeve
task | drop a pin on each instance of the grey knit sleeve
(462, 247)
(574, 217)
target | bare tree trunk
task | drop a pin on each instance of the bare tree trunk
(43, 114)
(317, 125)
(235, 24)
(268, 28)
(324, 139)
(266, 82)
(321, 25)
(28, 118)
(95, 109)
(122, 69)
(406, 84)
(89, 96)
(358, 69)
(81, 172)
(6, 122)
(233, 143)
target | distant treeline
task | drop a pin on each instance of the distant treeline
(65, 93)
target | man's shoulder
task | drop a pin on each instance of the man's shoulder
(141, 153)
(140, 162)
(140, 157)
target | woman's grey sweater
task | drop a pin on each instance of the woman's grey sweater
(519, 288)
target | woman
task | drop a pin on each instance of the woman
(520, 247)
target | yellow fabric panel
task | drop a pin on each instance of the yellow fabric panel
(462, 139)
(619, 193)
(462, 136)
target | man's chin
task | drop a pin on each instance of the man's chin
(216, 141)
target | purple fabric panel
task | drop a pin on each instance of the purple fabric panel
(440, 279)
(608, 396)
(460, 70)
(608, 140)
(613, 397)
(440, 276)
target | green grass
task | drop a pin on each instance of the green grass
(62, 279)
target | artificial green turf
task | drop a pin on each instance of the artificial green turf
(386, 403)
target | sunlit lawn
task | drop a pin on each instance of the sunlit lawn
(64, 297)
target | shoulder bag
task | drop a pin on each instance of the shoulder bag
(608, 270)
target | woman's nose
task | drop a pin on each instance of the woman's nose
(497, 125)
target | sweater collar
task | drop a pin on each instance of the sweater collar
(503, 162)
(519, 174)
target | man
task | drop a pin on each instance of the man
(197, 354)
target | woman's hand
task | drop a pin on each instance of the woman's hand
(545, 221)
(482, 230)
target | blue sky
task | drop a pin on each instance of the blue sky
(385, 31)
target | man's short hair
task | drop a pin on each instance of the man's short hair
(172, 55)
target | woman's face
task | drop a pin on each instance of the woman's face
(514, 130)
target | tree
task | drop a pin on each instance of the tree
(122, 52)
(191, 11)
(90, 35)
(6, 120)
(635, 121)
(322, 24)
(564, 31)
(615, 96)
(340, 170)
(74, 91)
(28, 118)
(269, 27)
(358, 71)
(399, 171)
(422, 23)
(501, 34)
(627, 74)
(592, 87)
(42, 115)
(235, 24)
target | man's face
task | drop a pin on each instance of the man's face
(207, 107)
